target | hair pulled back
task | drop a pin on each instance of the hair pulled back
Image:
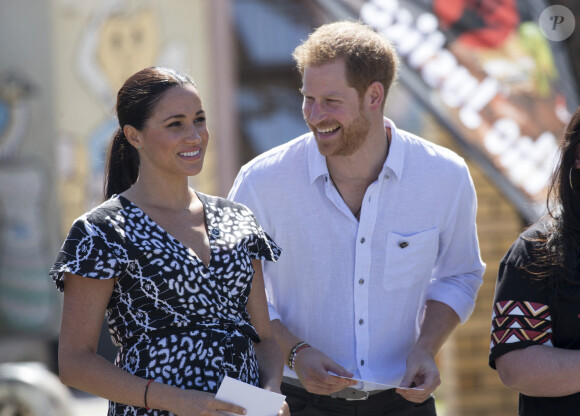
(135, 102)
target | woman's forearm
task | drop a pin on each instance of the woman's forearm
(541, 371)
(92, 373)
(270, 364)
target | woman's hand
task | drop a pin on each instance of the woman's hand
(199, 403)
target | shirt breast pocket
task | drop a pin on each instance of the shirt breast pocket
(409, 259)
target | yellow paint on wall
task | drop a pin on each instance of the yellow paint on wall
(127, 44)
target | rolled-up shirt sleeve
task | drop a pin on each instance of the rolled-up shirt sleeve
(458, 271)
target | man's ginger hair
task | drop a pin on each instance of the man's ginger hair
(367, 54)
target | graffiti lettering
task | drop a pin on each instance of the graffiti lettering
(422, 44)
(526, 162)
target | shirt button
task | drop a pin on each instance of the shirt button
(362, 240)
(361, 321)
(362, 362)
(403, 244)
(361, 281)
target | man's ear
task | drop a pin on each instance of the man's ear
(376, 94)
(132, 135)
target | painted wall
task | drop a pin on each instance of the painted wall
(100, 44)
(29, 214)
(61, 64)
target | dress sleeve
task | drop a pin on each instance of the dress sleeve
(521, 314)
(262, 247)
(92, 249)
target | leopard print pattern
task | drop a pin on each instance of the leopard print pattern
(162, 285)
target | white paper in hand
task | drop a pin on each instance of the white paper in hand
(257, 401)
(371, 385)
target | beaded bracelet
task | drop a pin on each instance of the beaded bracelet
(145, 395)
(292, 356)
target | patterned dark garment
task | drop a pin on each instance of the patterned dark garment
(173, 318)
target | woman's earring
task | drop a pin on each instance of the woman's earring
(139, 147)
(570, 178)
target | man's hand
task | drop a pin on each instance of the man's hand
(312, 367)
(285, 410)
(422, 373)
(440, 320)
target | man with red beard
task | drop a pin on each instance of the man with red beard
(381, 259)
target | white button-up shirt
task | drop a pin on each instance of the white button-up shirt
(357, 290)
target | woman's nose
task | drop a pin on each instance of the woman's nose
(193, 134)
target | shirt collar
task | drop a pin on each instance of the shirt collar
(316, 162)
(394, 163)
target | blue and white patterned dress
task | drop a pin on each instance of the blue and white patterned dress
(173, 318)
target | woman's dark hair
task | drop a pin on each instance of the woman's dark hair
(135, 102)
(559, 247)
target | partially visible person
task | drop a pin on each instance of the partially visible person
(177, 272)
(535, 342)
(381, 258)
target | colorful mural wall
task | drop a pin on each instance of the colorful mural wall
(28, 216)
(104, 42)
(491, 73)
(61, 65)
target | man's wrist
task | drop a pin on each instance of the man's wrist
(294, 351)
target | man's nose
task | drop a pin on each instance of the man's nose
(315, 113)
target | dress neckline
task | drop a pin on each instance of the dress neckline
(189, 251)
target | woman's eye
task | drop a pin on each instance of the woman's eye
(175, 124)
(199, 120)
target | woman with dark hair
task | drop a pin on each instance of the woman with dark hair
(535, 340)
(177, 272)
